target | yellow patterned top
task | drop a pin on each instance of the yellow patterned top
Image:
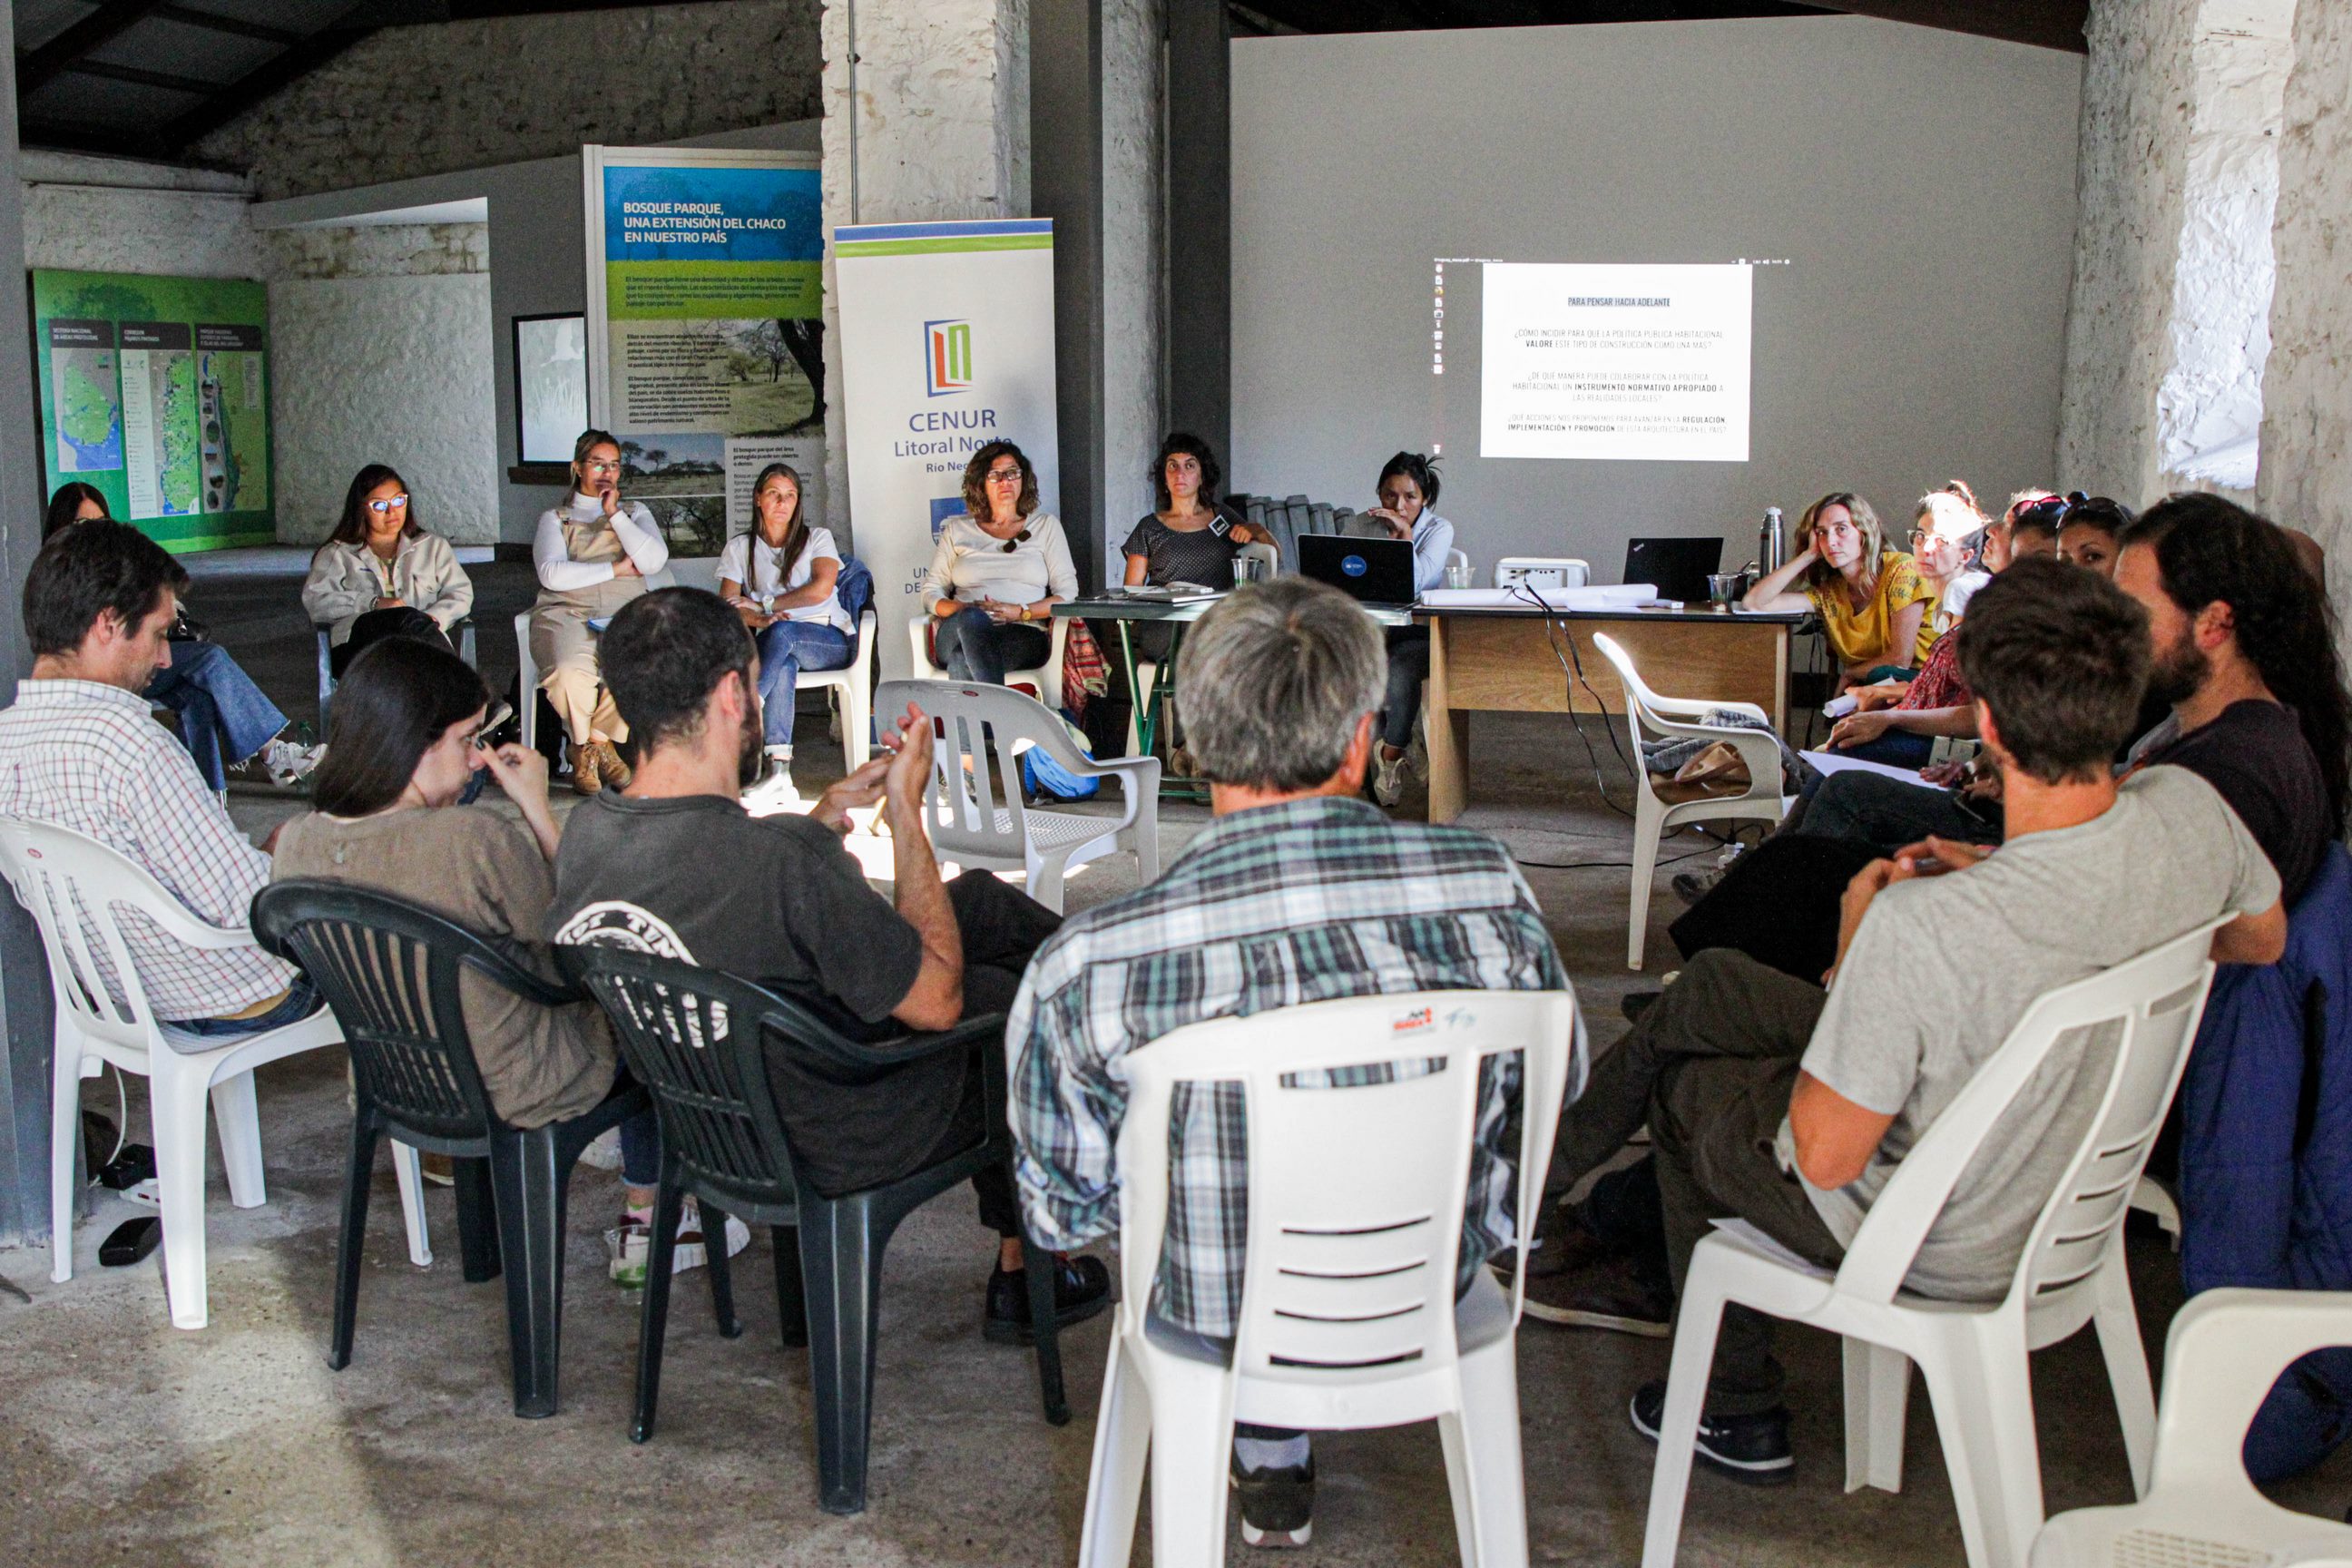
(1860, 636)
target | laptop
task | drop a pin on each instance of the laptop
(1679, 567)
(1374, 571)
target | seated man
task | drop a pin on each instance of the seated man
(1770, 1101)
(79, 748)
(1299, 891)
(675, 866)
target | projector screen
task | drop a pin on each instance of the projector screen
(1869, 227)
(1643, 363)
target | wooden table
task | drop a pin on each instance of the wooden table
(1498, 660)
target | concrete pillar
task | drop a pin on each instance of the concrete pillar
(2305, 478)
(926, 117)
(2178, 175)
(1135, 241)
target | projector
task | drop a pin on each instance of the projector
(1542, 572)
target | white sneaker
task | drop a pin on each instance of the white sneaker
(1387, 782)
(775, 791)
(630, 1246)
(288, 763)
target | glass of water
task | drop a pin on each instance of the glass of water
(1249, 569)
(1459, 576)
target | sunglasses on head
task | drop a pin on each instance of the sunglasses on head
(1019, 539)
(2051, 507)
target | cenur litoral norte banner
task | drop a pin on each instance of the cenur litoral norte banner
(705, 337)
(946, 338)
(156, 390)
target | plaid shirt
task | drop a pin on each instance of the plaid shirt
(89, 756)
(1307, 901)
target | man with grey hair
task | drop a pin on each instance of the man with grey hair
(1299, 891)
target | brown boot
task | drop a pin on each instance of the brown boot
(586, 777)
(614, 773)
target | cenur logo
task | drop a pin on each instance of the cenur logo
(947, 362)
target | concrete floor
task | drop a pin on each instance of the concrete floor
(129, 1441)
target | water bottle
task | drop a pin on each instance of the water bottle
(1772, 545)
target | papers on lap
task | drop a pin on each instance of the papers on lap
(1837, 762)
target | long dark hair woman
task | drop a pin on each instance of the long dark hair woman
(998, 572)
(780, 577)
(380, 574)
(225, 719)
(404, 742)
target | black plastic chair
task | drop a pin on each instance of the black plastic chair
(389, 969)
(723, 1140)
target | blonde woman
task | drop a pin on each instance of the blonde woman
(593, 554)
(1870, 599)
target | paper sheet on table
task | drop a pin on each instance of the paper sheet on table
(1839, 762)
(1624, 596)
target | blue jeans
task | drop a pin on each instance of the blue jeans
(223, 717)
(301, 1000)
(973, 647)
(785, 649)
(1896, 748)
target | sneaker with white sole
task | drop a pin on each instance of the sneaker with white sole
(1751, 1449)
(1277, 1505)
(630, 1246)
(1388, 781)
(775, 791)
(288, 763)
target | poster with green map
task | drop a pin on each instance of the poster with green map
(156, 390)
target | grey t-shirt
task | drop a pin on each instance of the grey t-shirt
(1944, 967)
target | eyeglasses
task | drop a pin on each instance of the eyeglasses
(386, 505)
(1004, 476)
(1015, 542)
(594, 467)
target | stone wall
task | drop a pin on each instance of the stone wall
(1135, 282)
(2137, 92)
(460, 95)
(104, 215)
(2305, 478)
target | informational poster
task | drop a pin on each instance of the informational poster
(156, 390)
(947, 332)
(705, 340)
(1617, 362)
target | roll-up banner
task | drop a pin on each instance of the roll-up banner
(705, 329)
(947, 340)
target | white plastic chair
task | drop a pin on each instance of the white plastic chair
(2154, 1199)
(1045, 678)
(851, 688)
(2226, 1348)
(1973, 1356)
(970, 826)
(56, 871)
(1350, 1317)
(1650, 717)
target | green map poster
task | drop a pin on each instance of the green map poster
(156, 390)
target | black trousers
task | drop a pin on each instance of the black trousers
(374, 627)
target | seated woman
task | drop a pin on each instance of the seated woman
(224, 720)
(779, 578)
(379, 575)
(1870, 599)
(1947, 536)
(2088, 531)
(594, 553)
(1407, 491)
(999, 570)
(1190, 539)
(403, 744)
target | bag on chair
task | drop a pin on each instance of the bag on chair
(1041, 774)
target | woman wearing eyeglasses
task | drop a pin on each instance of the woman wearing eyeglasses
(997, 574)
(1945, 532)
(379, 575)
(593, 554)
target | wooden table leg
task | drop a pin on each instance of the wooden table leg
(1448, 733)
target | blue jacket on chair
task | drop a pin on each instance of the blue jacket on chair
(2266, 1154)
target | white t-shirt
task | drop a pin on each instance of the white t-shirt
(753, 562)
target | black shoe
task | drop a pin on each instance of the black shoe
(1751, 1449)
(1637, 1002)
(1081, 1290)
(1611, 1295)
(1277, 1504)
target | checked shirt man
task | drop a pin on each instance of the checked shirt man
(1298, 892)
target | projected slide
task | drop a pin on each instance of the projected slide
(1616, 362)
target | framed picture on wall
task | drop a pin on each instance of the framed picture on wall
(551, 369)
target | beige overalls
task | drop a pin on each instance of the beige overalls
(565, 650)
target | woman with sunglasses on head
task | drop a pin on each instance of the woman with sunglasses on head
(997, 574)
(594, 553)
(380, 574)
(2088, 532)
